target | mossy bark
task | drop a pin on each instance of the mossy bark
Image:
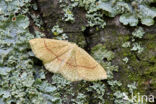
(140, 68)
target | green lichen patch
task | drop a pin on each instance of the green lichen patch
(138, 65)
(138, 33)
(132, 66)
(130, 19)
(23, 79)
(56, 30)
(130, 11)
(18, 83)
(8, 7)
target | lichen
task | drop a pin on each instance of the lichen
(130, 11)
(126, 44)
(128, 18)
(137, 47)
(68, 14)
(138, 33)
(56, 30)
(125, 59)
(23, 79)
(18, 83)
(8, 7)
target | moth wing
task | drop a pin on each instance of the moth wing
(51, 52)
(88, 68)
(56, 64)
(48, 49)
(70, 70)
(73, 63)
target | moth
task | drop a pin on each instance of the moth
(73, 62)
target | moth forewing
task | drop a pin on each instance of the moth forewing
(68, 59)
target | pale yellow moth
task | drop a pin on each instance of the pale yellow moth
(68, 59)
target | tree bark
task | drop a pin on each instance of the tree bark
(140, 67)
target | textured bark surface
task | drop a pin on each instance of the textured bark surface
(140, 68)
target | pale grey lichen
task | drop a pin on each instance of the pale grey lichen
(122, 7)
(138, 33)
(24, 82)
(37, 20)
(137, 47)
(130, 11)
(68, 15)
(60, 35)
(126, 44)
(130, 19)
(98, 90)
(98, 51)
(56, 30)
(125, 59)
(4, 70)
(120, 98)
(80, 99)
(114, 83)
(132, 87)
(60, 81)
(124, 98)
(17, 70)
(8, 7)
(95, 19)
(147, 15)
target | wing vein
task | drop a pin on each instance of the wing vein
(56, 56)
